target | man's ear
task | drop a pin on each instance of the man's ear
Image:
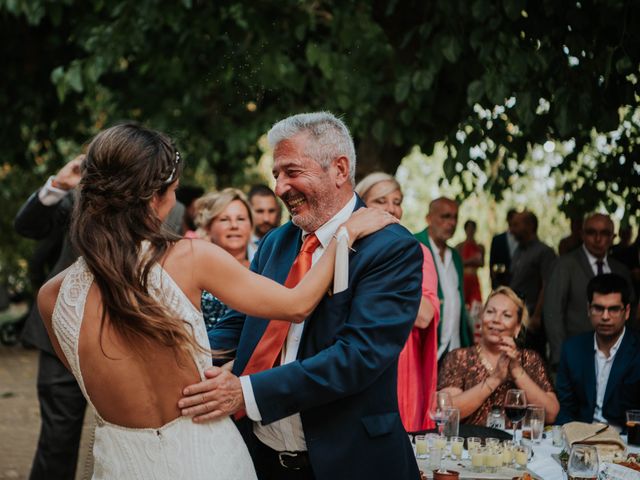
(341, 165)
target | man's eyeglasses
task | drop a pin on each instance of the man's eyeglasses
(615, 311)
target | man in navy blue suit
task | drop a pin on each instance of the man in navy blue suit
(599, 373)
(328, 410)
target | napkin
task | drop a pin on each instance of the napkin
(605, 438)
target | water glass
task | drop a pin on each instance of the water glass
(535, 419)
(556, 436)
(583, 462)
(452, 422)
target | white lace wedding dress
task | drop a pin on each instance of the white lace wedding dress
(180, 449)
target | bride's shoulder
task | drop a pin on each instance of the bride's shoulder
(48, 294)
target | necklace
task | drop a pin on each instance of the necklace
(485, 363)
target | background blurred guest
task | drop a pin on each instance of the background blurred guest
(267, 213)
(502, 249)
(225, 219)
(574, 240)
(565, 298)
(530, 268)
(478, 377)
(454, 330)
(472, 254)
(62, 405)
(599, 373)
(417, 365)
(187, 195)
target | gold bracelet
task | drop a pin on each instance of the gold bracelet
(484, 382)
(520, 374)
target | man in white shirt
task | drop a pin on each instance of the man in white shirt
(266, 215)
(565, 296)
(454, 330)
(328, 410)
(599, 372)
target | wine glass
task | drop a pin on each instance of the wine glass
(438, 405)
(515, 407)
(583, 462)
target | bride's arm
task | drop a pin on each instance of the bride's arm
(219, 273)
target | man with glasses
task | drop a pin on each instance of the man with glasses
(599, 373)
(565, 301)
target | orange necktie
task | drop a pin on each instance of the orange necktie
(270, 345)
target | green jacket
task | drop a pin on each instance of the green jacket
(466, 333)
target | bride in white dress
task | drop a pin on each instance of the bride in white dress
(124, 318)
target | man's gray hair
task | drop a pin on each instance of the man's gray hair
(331, 138)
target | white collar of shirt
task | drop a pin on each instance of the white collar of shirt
(325, 232)
(447, 254)
(593, 261)
(614, 349)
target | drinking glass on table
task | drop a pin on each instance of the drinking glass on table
(633, 427)
(535, 417)
(515, 407)
(452, 423)
(440, 401)
(583, 462)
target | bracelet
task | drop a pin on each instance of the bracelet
(484, 382)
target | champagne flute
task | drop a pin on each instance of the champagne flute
(515, 407)
(583, 462)
(438, 404)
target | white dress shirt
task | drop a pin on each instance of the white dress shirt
(450, 309)
(287, 434)
(593, 261)
(512, 243)
(603, 369)
(50, 195)
(252, 246)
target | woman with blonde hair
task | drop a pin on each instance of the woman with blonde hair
(417, 364)
(223, 218)
(478, 377)
(123, 317)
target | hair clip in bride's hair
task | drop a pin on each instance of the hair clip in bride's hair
(176, 162)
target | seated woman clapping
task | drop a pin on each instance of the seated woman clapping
(478, 377)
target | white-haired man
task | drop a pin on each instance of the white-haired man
(328, 409)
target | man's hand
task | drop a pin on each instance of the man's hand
(218, 396)
(69, 176)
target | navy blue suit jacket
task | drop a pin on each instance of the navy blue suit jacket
(576, 380)
(344, 381)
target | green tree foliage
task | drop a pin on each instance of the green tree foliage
(489, 78)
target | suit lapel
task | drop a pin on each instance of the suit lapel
(584, 262)
(623, 358)
(277, 268)
(590, 374)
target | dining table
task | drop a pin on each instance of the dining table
(543, 464)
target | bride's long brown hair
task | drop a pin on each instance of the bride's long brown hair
(125, 167)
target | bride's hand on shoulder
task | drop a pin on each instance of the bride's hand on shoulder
(366, 221)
